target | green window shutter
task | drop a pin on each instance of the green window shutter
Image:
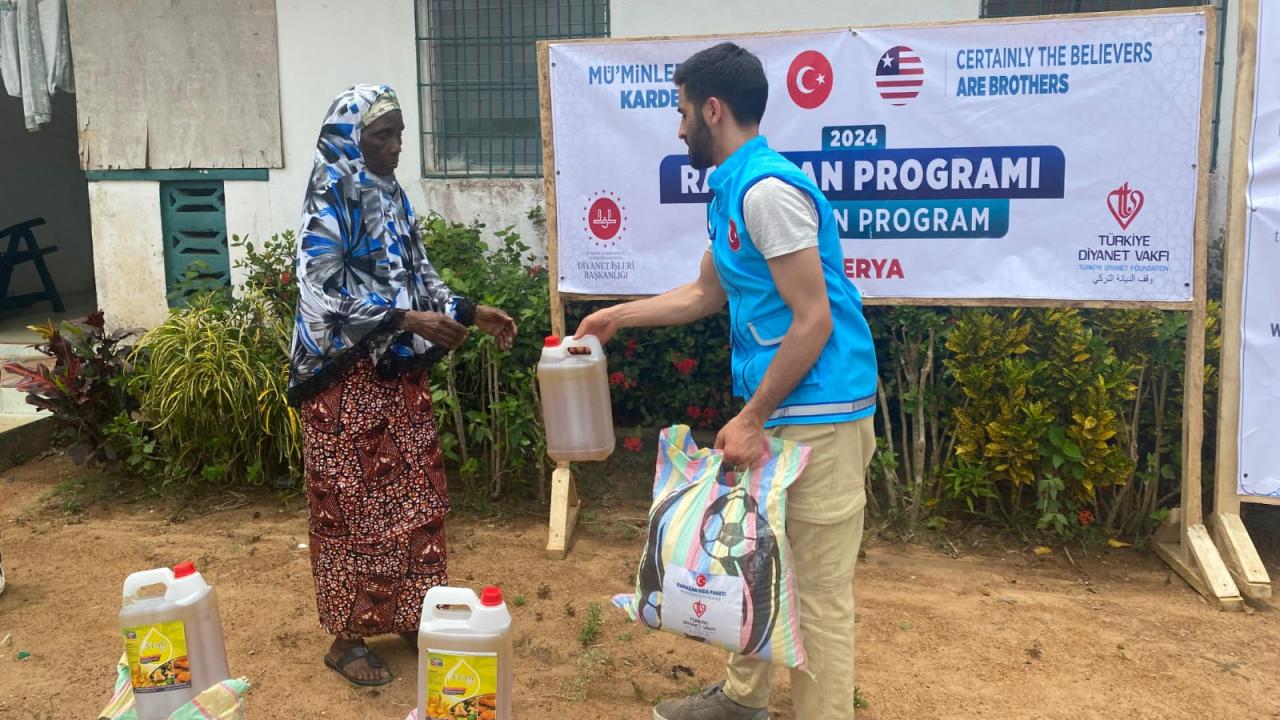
(193, 218)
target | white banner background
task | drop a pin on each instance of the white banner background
(1119, 101)
(1260, 354)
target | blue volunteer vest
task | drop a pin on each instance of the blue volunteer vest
(841, 386)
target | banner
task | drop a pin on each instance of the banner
(1260, 351)
(1042, 159)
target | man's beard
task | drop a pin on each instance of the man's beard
(699, 142)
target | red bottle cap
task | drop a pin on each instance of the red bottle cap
(491, 597)
(184, 569)
(551, 341)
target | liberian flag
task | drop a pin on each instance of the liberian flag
(899, 75)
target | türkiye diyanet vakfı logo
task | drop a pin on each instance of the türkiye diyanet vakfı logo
(1124, 257)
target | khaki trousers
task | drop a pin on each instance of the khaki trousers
(824, 527)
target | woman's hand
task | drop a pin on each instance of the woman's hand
(498, 324)
(435, 327)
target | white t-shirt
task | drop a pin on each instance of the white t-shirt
(780, 218)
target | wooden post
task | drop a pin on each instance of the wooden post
(564, 491)
(1193, 554)
(1229, 532)
(549, 186)
(564, 512)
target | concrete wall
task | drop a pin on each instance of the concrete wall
(129, 253)
(40, 176)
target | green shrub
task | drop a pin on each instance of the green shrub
(210, 383)
(486, 400)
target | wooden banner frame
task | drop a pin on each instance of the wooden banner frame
(1184, 542)
(1229, 532)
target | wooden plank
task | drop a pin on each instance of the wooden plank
(549, 193)
(1227, 470)
(564, 511)
(1172, 554)
(1259, 500)
(1190, 551)
(564, 492)
(155, 81)
(111, 95)
(1193, 387)
(1213, 571)
(1242, 560)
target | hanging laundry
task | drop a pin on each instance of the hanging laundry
(35, 55)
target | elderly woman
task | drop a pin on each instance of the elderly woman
(372, 317)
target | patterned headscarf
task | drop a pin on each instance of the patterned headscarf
(360, 263)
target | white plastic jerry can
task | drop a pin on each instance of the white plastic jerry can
(464, 655)
(573, 378)
(173, 642)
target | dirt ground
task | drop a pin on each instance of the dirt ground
(958, 628)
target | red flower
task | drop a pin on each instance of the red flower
(634, 444)
(285, 278)
(630, 349)
(694, 412)
(685, 366)
(1086, 518)
(97, 319)
(617, 378)
(536, 270)
(710, 414)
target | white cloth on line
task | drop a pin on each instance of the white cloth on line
(35, 55)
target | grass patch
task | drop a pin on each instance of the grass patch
(591, 628)
(594, 664)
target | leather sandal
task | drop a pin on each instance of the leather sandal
(355, 653)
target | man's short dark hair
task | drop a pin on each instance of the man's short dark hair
(730, 73)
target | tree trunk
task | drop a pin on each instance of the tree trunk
(890, 472)
(904, 460)
(919, 441)
(1153, 490)
(459, 425)
(1135, 422)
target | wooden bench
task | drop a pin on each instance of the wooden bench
(33, 253)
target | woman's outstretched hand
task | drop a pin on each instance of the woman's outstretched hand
(435, 327)
(498, 324)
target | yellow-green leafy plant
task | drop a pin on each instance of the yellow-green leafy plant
(211, 384)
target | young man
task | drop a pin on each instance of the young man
(802, 359)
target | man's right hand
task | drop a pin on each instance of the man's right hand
(435, 327)
(601, 323)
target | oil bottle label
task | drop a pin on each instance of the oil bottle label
(158, 657)
(461, 686)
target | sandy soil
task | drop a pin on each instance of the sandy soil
(974, 630)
